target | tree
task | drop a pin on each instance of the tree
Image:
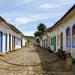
(38, 40)
(37, 34)
(41, 28)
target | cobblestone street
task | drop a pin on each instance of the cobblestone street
(31, 61)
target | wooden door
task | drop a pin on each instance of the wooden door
(54, 42)
(61, 41)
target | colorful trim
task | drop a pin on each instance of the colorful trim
(1, 41)
(6, 42)
(68, 37)
(73, 36)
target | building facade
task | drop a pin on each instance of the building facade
(62, 34)
(10, 37)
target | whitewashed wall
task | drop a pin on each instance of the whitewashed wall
(58, 30)
(7, 30)
(23, 42)
(62, 28)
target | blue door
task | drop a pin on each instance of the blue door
(6, 42)
(10, 42)
(1, 41)
(14, 42)
(21, 42)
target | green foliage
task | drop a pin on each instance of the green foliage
(37, 40)
(37, 33)
(41, 28)
(29, 37)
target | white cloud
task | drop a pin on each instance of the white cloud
(29, 33)
(64, 2)
(23, 2)
(40, 16)
(31, 18)
(45, 16)
(24, 20)
(46, 5)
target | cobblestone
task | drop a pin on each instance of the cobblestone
(31, 61)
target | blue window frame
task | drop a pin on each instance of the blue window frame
(73, 36)
(14, 42)
(1, 40)
(6, 42)
(21, 42)
(68, 37)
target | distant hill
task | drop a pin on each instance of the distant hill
(29, 37)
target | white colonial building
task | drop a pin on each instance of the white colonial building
(10, 37)
(61, 34)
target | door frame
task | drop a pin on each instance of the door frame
(9, 41)
(61, 41)
(1, 33)
(21, 43)
(54, 43)
(6, 41)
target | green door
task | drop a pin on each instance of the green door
(61, 41)
(54, 42)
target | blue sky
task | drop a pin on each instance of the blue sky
(27, 14)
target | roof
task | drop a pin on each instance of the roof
(14, 28)
(67, 13)
(48, 30)
(11, 26)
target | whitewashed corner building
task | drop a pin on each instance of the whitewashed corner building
(62, 34)
(10, 37)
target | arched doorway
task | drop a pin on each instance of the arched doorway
(73, 36)
(68, 37)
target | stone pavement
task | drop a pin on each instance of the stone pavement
(73, 69)
(31, 61)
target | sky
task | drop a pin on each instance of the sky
(27, 14)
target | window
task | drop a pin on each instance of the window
(68, 37)
(73, 36)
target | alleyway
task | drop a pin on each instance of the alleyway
(31, 61)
